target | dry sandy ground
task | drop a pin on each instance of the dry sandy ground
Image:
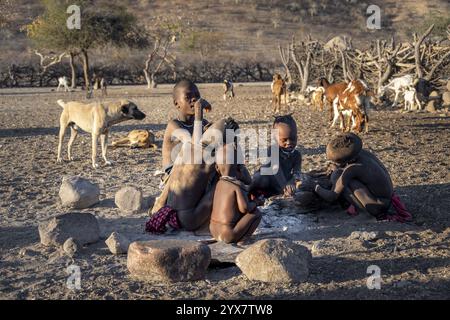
(414, 258)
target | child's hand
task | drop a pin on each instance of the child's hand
(202, 104)
(289, 190)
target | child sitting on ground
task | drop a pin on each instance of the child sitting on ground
(290, 160)
(185, 94)
(360, 179)
(234, 217)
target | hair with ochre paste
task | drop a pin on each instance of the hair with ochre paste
(181, 85)
(286, 119)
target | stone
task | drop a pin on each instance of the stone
(364, 235)
(129, 199)
(82, 227)
(70, 247)
(275, 260)
(78, 193)
(446, 99)
(117, 243)
(168, 260)
(431, 106)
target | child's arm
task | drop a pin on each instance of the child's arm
(297, 165)
(198, 122)
(349, 173)
(244, 205)
(290, 188)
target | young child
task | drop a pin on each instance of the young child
(185, 95)
(290, 160)
(360, 179)
(234, 217)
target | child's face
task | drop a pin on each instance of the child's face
(185, 100)
(287, 136)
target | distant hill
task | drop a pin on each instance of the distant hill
(254, 28)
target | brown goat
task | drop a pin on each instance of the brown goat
(278, 89)
(331, 92)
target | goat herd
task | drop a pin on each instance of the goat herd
(348, 102)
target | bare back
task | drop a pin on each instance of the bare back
(225, 205)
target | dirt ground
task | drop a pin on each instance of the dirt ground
(414, 258)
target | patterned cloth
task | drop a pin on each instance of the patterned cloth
(157, 223)
(402, 215)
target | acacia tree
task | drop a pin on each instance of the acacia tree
(163, 32)
(102, 23)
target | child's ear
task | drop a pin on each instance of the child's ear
(175, 103)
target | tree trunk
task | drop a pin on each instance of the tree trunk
(148, 78)
(417, 57)
(153, 83)
(306, 73)
(73, 71)
(86, 69)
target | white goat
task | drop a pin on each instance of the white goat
(411, 99)
(398, 85)
(63, 82)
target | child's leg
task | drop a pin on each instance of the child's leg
(361, 197)
(243, 229)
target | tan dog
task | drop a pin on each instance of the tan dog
(95, 118)
(137, 139)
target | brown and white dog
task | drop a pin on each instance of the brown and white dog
(137, 139)
(95, 118)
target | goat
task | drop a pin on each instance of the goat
(411, 99)
(63, 82)
(398, 85)
(278, 89)
(352, 102)
(104, 87)
(331, 92)
(317, 98)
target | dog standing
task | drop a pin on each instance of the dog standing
(96, 119)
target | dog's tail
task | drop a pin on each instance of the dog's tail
(61, 103)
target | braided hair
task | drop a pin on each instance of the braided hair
(286, 119)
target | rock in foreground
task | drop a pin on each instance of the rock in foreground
(82, 227)
(129, 199)
(168, 260)
(275, 260)
(78, 193)
(117, 243)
